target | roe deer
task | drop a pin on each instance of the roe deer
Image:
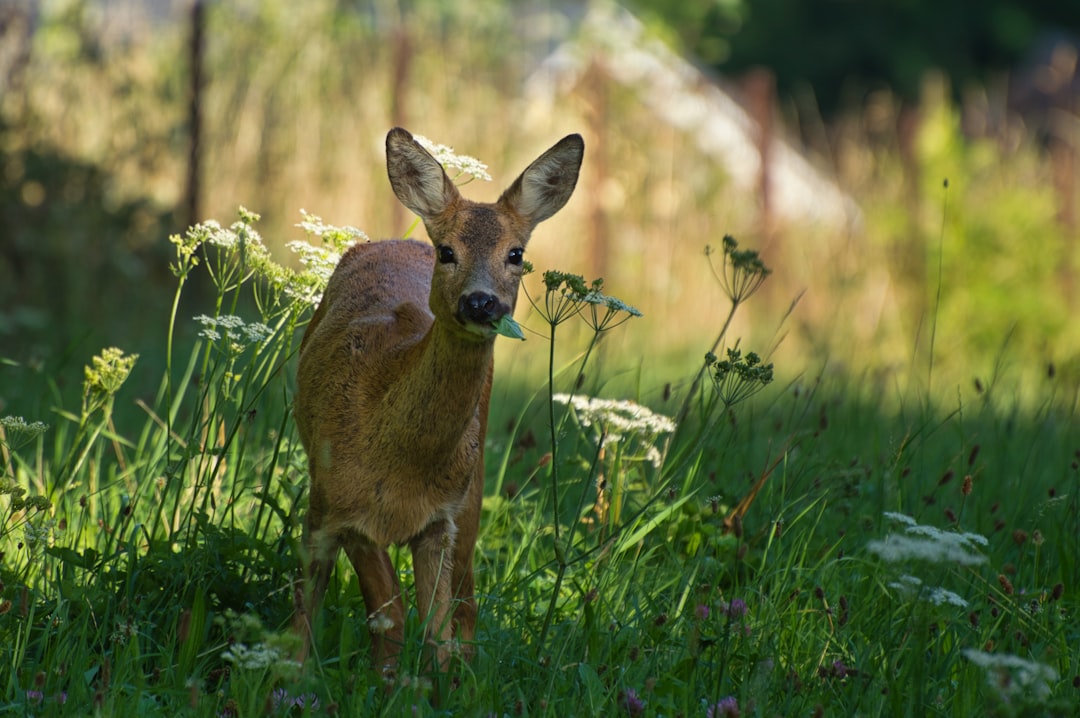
(393, 387)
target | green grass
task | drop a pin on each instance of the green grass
(149, 570)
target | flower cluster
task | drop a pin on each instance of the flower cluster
(257, 657)
(234, 330)
(912, 585)
(15, 431)
(41, 535)
(619, 418)
(742, 271)
(738, 377)
(724, 708)
(108, 371)
(928, 543)
(284, 702)
(1011, 675)
(463, 164)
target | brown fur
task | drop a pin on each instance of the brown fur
(393, 387)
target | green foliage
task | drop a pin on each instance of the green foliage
(159, 579)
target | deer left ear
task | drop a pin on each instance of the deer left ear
(546, 185)
(417, 178)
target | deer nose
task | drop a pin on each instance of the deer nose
(480, 308)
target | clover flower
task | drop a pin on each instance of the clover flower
(631, 702)
(724, 708)
(463, 164)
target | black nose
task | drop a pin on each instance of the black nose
(480, 308)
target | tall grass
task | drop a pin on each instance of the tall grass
(895, 557)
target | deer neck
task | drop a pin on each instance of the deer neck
(438, 395)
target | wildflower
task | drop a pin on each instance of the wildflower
(742, 271)
(40, 535)
(934, 594)
(736, 609)
(16, 431)
(738, 377)
(604, 310)
(928, 543)
(464, 164)
(618, 416)
(234, 330)
(108, 371)
(1010, 675)
(701, 612)
(632, 703)
(258, 657)
(724, 708)
(283, 701)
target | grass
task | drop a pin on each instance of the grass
(150, 570)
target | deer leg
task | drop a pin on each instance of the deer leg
(381, 590)
(433, 551)
(308, 592)
(468, 522)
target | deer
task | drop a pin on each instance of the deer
(392, 391)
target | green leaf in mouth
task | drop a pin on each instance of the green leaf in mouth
(507, 327)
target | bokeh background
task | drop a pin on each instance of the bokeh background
(907, 169)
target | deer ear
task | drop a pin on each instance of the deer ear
(545, 185)
(417, 178)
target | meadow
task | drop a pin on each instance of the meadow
(829, 546)
(739, 503)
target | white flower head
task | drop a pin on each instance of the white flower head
(928, 543)
(1024, 675)
(234, 330)
(258, 657)
(936, 595)
(618, 416)
(463, 164)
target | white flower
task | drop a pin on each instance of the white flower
(256, 657)
(618, 416)
(450, 160)
(314, 225)
(929, 543)
(233, 329)
(934, 594)
(1026, 675)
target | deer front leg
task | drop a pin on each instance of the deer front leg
(468, 522)
(433, 552)
(318, 563)
(382, 600)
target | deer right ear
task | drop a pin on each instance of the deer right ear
(546, 185)
(417, 178)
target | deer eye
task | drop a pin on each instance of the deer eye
(516, 255)
(446, 254)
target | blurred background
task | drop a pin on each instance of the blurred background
(907, 169)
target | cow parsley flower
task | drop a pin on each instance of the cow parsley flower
(934, 594)
(929, 543)
(1011, 675)
(463, 164)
